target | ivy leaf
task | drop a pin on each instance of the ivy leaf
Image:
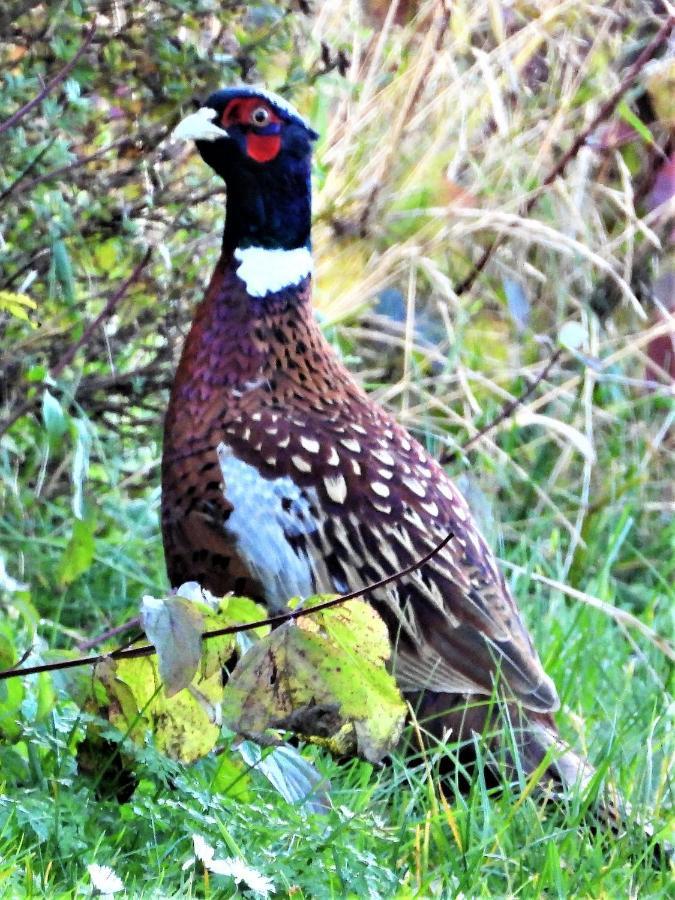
(323, 677)
(174, 625)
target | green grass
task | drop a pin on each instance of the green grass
(578, 495)
(389, 833)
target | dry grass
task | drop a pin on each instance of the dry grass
(445, 129)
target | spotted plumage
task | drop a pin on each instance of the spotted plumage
(282, 478)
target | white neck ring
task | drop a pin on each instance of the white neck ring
(266, 271)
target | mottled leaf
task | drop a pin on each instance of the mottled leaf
(180, 725)
(146, 694)
(217, 651)
(323, 677)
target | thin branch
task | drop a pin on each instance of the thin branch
(83, 646)
(29, 168)
(64, 170)
(67, 357)
(51, 84)
(603, 113)
(149, 650)
(449, 455)
(107, 310)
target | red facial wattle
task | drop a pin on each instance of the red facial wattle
(262, 141)
(262, 147)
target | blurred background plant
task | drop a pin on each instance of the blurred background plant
(452, 270)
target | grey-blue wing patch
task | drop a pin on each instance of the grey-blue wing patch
(270, 522)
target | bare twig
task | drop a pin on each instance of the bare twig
(29, 168)
(448, 455)
(107, 310)
(50, 85)
(603, 113)
(62, 170)
(110, 633)
(149, 650)
(67, 357)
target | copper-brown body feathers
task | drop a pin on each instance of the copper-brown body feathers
(259, 390)
(282, 478)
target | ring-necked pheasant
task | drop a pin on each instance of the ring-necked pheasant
(281, 478)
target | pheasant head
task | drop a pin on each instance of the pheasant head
(262, 148)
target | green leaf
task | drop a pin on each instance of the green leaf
(635, 122)
(185, 726)
(174, 625)
(11, 698)
(11, 693)
(63, 270)
(323, 677)
(230, 611)
(79, 552)
(106, 253)
(80, 464)
(232, 778)
(125, 709)
(54, 418)
(17, 305)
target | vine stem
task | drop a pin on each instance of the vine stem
(150, 650)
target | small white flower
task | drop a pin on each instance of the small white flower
(203, 851)
(223, 867)
(240, 871)
(231, 868)
(104, 879)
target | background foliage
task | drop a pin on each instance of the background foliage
(440, 123)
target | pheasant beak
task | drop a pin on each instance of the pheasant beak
(199, 126)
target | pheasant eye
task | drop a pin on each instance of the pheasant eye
(260, 116)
